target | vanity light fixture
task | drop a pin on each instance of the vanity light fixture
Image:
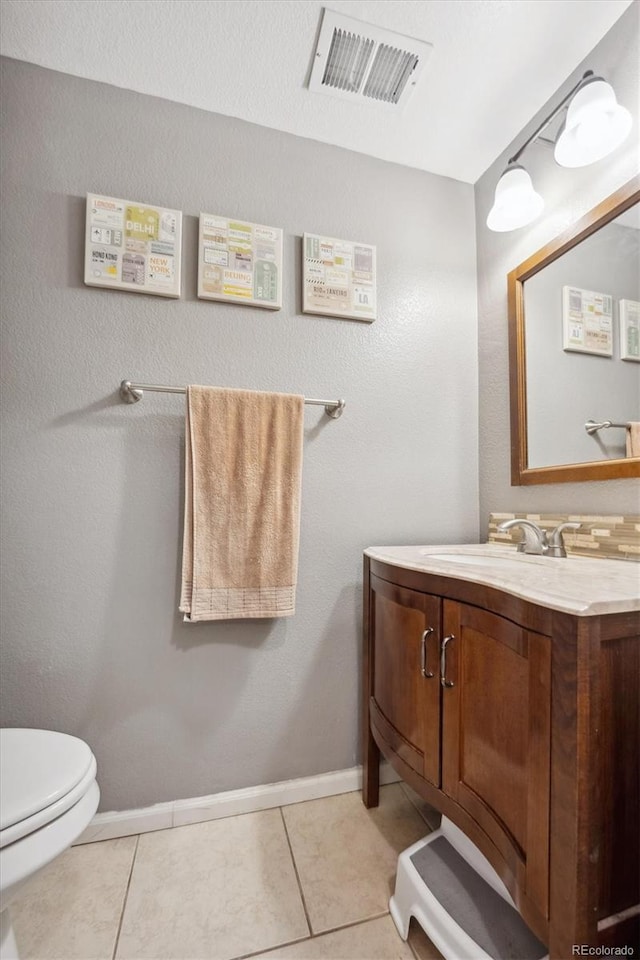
(594, 126)
(516, 202)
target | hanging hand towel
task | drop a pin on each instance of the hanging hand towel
(633, 439)
(243, 469)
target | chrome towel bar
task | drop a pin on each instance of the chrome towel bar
(132, 392)
(591, 426)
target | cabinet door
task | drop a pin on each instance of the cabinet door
(405, 701)
(496, 736)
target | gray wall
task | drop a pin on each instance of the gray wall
(92, 641)
(565, 388)
(568, 194)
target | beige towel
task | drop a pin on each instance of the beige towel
(243, 469)
(633, 439)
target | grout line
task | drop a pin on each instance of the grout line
(314, 936)
(295, 867)
(124, 901)
(278, 946)
(351, 923)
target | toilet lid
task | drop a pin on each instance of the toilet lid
(37, 768)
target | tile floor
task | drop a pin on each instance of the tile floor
(310, 881)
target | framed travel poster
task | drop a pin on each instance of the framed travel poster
(629, 311)
(587, 321)
(338, 278)
(239, 262)
(132, 246)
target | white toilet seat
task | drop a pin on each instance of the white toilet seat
(38, 768)
(51, 812)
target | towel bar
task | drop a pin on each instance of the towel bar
(132, 392)
(591, 426)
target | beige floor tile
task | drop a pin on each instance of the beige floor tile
(420, 943)
(372, 940)
(212, 891)
(71, 910)
(346, 855)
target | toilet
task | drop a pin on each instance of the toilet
(48, 795)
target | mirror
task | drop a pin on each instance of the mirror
(574, 355)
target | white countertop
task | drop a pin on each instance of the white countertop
(583, 586)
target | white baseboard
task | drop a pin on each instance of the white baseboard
(177, 813)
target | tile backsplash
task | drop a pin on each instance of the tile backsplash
(616, 537)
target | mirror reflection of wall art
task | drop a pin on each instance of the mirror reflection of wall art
(629, 329)
(239, 262)
(587, 321)
(132, 246)
(339, 278)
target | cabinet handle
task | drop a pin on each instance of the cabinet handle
(423, 653)
(443, 662)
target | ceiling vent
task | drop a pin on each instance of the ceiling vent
(358, 61)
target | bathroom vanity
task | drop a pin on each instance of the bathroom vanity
(504, 689)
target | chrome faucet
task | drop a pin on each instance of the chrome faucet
(537, 541)
(534, 539)
(556, 540)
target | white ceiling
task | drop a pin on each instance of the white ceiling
(493, 66)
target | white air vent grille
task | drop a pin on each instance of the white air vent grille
(389, 74)
(349, 57)
(358, 61)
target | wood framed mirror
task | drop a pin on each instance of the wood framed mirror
(568, 366)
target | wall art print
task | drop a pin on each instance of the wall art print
(587, 321)
(132, 246)
(239, 262)
(629, 315)
(339, 278)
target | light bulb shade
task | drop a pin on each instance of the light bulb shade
(594, 126)
(516, 202)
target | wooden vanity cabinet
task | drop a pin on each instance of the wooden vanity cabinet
(495, 738)
(405, 700)
(525, 733)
